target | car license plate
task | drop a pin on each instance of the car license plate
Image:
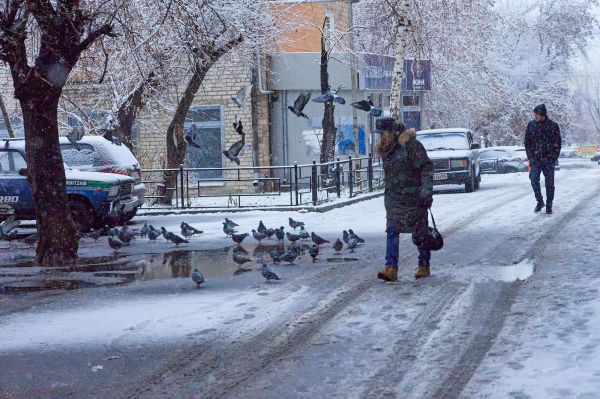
(440, 176)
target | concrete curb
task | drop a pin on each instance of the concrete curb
(319, 208)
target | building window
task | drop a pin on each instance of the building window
(208, 120)
(17, 125)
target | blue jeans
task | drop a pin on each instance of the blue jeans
(393, 244)
(547, 168)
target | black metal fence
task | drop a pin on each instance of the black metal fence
(262, 186)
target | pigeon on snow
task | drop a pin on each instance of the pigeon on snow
(317, 239)
(337, 246)
(268, 273)
(197, 278)
(294, 224)
(314, 252)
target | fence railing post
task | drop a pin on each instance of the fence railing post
(181, 186)
(296, 181)
(338, 178)
(350, 176)
(314, 183)
(370, 172)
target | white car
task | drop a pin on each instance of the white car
(98, 154)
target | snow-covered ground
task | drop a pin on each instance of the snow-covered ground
(546, 346)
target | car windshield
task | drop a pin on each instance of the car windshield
(11, 162)
(444, 141)
(493, 154)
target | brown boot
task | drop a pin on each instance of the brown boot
(422, 271)
(388, 274)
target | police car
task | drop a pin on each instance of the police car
(95, 199)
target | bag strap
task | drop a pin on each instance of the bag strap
(432, 219)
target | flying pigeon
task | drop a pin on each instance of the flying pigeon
(300, 103)
(258, 236)
(352, 243)
(153, 235)
(268, 273)
(175, 239)
(144, 231)
(279, 233)
(358, 239)
(185, 226)
(108, 135)
(295, 224)
(237, 125)
(329, 96)
(115, 244)
(368, 106)
(317, 240)
(292, 237)
(275, 256)
(234, 150)
(8, 225)
(303, 234)
(238, 238)
(240, 97)
(231, 223)
(74, 136)
(261, 227)
(337, 246)
(191, 134)
(197, 278)
(314, 252)
(240, 259)
(290, 256)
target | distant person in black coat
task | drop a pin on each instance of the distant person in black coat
(542, 144)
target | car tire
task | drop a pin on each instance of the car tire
(470, 185)
(127, 216)
(82, 214)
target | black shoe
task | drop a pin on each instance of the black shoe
(549, 210)
(539, 206)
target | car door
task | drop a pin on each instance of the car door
(15, 190)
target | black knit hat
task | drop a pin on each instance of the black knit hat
(388, 123)
(540, 110)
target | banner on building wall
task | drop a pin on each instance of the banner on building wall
(377, 71)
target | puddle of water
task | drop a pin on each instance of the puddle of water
(519, 272)
(119, 268)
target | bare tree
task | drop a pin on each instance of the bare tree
(60, 31)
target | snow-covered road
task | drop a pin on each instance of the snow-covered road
(331, 329)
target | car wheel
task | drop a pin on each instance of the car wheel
(470, 185)
(82, 215)
(127, 216)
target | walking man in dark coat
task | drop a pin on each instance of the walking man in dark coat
(408, 193)
(542, 144)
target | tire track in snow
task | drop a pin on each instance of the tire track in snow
(212, 371)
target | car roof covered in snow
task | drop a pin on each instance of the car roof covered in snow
(447, 130)
(119, 154)
(503, 147)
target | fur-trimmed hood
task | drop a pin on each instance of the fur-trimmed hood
(406, 136)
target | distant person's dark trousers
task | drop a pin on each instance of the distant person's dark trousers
(547, 168)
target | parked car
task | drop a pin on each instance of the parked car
(568, 152)
(100, 155)
(455, 156)
(92, 196)
(503, 160)
(522, 153)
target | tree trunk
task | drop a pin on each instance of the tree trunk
(58, 241)
(6, 118)
(129, 109)
(328, 122)
(176, 145)
(400, 52)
